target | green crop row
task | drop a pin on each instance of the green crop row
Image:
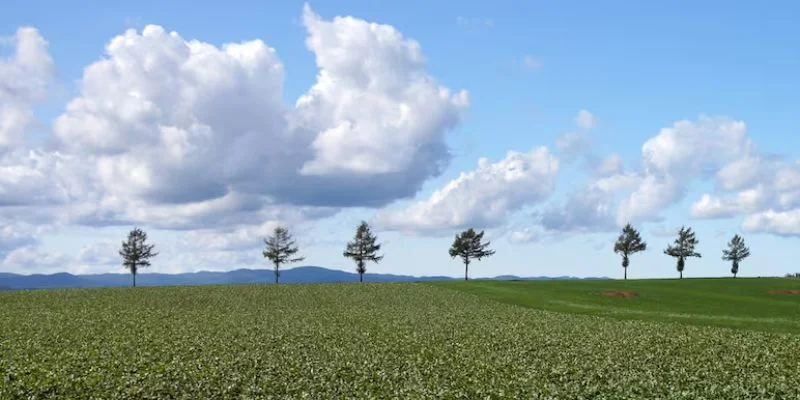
(365, 341)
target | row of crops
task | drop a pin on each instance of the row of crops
(365, 341)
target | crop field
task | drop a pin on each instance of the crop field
(765, 304)
(378, 341)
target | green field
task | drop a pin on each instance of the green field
(736, 303)
(466, 340)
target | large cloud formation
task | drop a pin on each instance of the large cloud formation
(763, 189)
(171, 121)
(177, 133)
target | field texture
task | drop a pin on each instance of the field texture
(766, 304)
(366, 341)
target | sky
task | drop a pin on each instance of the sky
(549, 125)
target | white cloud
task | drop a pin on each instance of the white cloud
(31, 259)
(712, 207)
(782, 223)
(531, 62)
(609, 166)
(181, 130)
(24, 79)
(691, 148)
(373, 110)
(585, 120)
(572, 144)
(481, 198)
(671, 160)
(525, 235)
(589, 210)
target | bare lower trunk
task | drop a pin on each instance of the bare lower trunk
(466, 271)
(681, 272)
(134, 279)
(734, 275)
(361, 277)
(626, 273)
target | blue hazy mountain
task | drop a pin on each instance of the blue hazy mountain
(307, 274)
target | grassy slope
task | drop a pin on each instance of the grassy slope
(365, 341)
(738, 303)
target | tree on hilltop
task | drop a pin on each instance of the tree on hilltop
(469, 246)
(735, 253)
(281, 249)
(628, 243)
(136, 253)
(683, 248)
(363, 248)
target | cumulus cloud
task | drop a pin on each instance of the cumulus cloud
(24, 79)
(177, 133)
(32, 259)
(585, 211)
(671, 160)
(374, 110)
(481, 198)
(781, 223)
(182, 130)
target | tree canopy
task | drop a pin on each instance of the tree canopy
(735, 253)
(628, 243)
(281, 249)
(683, 248)
(136, 253)
(363, 248)
(469, 246)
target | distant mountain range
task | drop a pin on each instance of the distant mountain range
(307, 274)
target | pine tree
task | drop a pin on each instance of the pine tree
(628, 243)
(281, 249)
(683, 248)
(468, 245)
(735, 253)
(136, 253)
(363, 248)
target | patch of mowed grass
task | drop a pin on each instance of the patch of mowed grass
(365, 341)
(726, 302)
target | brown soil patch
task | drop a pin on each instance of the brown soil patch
(618, 293)
(785, 291)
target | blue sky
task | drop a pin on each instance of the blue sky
(689, 108)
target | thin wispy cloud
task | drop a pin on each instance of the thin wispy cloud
(530, 62)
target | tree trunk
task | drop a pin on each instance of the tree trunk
(360, 277)
(734, 275)
(626, 273)
(466, 271)
(681, 272)
(134, 279)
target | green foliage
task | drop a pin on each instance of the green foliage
(683, 248)
(469, 246)
(281, 249)
(363, 248)
(136, 253)
(404, 341)
(735, 253)
(628, 243)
